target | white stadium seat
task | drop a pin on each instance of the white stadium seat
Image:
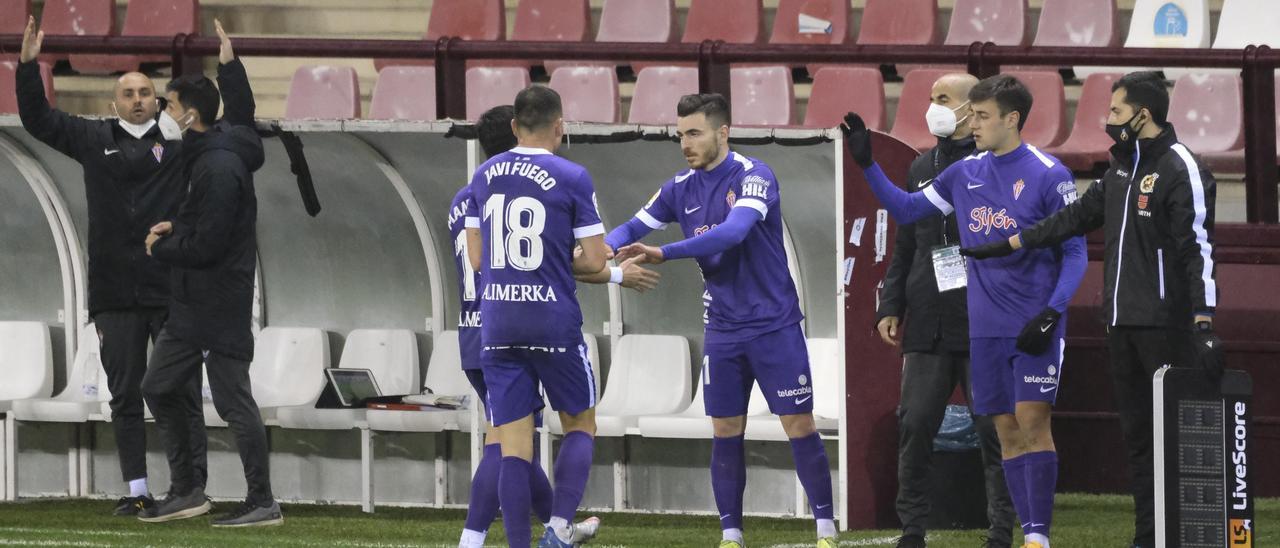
(392, 355)
(649, 375)
(26, 358)
(287, 370)
(444, 377)
(84, 394)
(1162, 24)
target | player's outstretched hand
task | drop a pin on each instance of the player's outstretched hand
(638, 277)
(999, 248)
(857, 138)
(1208, 353)
(32, 39)
(225, 53)
(648, 254)
(1039, 332)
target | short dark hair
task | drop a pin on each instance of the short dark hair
(712, 105)
(1145, 89)
(494, 130)
(536, 107)
(198, 92)
(1010, 95)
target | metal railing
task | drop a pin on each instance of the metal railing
(713, 58)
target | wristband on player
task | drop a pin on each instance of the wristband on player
(615, 274)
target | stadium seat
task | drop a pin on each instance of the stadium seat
(323, 91)
(649, 376)
(26, 358)
(1047, 122)
(1078, 23)
(1088, 145)
(638, 21)
(899, 22)
(76, 18)
(734, 21)
(908, 123)
(84, 392)
(693, 422)
(465, 19)
(1003, 22)
(144, 18)
(653, 100)
(488, 87)
(16, 14)
(1247, 22)
(287, 370)
(444, 377)
(761, 96)
(404, 93)
(837, 90)
(8, 86)
(1233, 161)
(1207, 111)
(392, 355)
(828, 394)
(1162, 24)
(811, 22)
(551, 21)
(589, 94)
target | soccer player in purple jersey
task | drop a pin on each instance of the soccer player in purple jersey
(527, 209)
(729, 210)
(1005, 186)
(495, 137)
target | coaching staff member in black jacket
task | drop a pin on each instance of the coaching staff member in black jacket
(934, 330)
(212, 248)
(133, 179)
(1157, 203)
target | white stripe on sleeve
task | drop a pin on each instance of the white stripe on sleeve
(588, 231)
(1197, 224)
(650, 221)
(937, 200)
(755, 204)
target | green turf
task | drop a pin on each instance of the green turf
(1080, 521)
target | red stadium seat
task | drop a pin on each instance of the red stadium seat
(321, 91)
(837, 90)
(1089, 144)
(8, 93)
(466, 19)
(16, 13)
(638, 21)
(825, 22)
(1001, 21)
(658, 89)
(404, 93)
(589, 94)
(1208, 113)
(1047, 122)
(1079, 23)
(488, 87)
(734, 21)
(76, 18)
(908, 122)
(761, 96)
(551, 21)
(144, 18)
(903, 22)
(1233, 161)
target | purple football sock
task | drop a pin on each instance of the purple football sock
(728, 479)
(1042, 480)
(573, 466)
(1015, 477)
(540, 489)
(483, 508)
(513, 492)
(814, 471)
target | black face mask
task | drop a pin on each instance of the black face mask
(1123, 134)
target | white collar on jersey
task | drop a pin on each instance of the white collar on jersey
(530, 150)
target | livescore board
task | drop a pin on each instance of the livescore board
(1201, 442)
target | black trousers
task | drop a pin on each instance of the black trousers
(1136, 354)
(927, 383)
(123, 336)
(174, 363)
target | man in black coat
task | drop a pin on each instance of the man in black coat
(133, 179)
(212, 248)
(934, 330)
(1160, 289)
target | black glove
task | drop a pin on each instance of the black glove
(994, 249)
(1208, 351)
(1037, 334)
(857, 138)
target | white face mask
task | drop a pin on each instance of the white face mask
(169, 128)
(941, 120)
(136, 130)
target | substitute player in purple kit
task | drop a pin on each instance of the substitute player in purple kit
(1005, 186)
(527, 209)
(729, 210)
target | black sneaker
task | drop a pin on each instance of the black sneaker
(131, 506)
(248, 514)
(174, 507)
(911, 541)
